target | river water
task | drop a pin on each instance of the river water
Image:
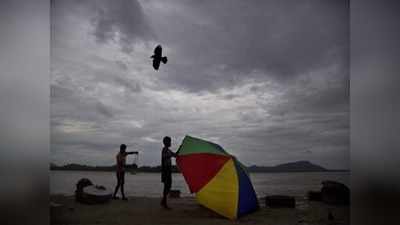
(149, 184)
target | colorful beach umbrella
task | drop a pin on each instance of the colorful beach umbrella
(219, 180)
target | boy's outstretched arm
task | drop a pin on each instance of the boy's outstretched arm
(133, 152)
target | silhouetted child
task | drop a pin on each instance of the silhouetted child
(121, 161)
(166, 169)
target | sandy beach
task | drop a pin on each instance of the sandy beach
(145, 210)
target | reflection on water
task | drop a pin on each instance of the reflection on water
(149, 184)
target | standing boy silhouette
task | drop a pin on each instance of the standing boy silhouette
(121, 161)
(166, 169)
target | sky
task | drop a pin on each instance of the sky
(267, 80)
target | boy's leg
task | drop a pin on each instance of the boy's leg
(116, 190)
(167, 188)
(118, 185)
(122, 192)
(163, 197)
(122, 186)
(163, 193)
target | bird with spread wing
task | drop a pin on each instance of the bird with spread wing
(157, 57)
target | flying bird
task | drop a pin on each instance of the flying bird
(157, 57)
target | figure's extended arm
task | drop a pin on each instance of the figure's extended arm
(133, 152)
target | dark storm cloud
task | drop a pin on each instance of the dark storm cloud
(309, 131)
(104, 110)
(233, 39)
(122, 65)
(131, 86)
(268, 80)
(69, 103)
(119, 21)
(327, 97)
(122, 21)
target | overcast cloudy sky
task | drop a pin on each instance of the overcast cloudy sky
(267, 80)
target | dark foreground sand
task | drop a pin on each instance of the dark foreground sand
(186, 211)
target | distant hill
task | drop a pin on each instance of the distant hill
(299, 166)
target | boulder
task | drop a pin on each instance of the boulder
(333, 192)
(280, 201)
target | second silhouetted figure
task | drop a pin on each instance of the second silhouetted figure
(157, 57)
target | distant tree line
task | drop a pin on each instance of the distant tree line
(299, 166)
(78, 167)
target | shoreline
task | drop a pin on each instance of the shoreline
(186, 210)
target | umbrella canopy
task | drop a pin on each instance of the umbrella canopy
(219, 180)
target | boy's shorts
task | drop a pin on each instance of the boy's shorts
(166, 177)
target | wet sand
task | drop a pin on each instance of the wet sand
(186, 211)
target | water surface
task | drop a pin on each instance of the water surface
(149, 184)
